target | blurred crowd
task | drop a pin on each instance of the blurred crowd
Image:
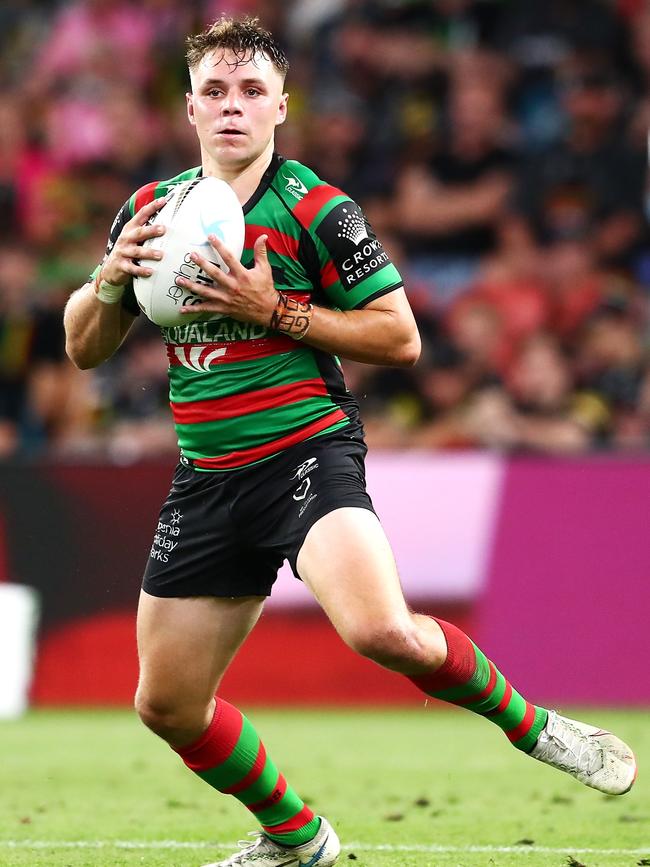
(498, 148)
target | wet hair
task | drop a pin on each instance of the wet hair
(245, 38)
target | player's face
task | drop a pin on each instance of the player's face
(235, 108)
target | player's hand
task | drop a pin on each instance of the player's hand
(119, 267)
(246, 294)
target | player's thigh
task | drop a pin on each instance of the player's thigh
(186, 644)
(347, 562)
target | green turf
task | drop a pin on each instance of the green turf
(408, 779)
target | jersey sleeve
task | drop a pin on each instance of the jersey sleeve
(123, 216)
(354, 267)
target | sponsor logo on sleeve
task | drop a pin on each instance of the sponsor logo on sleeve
(352, 244)
(294, 185)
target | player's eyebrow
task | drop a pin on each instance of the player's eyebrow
(221, 82)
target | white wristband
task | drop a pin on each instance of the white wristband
(107, 292)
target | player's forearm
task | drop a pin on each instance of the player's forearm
(371, 336)
(93, 329)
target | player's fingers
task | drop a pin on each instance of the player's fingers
(213, 271)
(259, 250)
(130, 267)
(148, 210)
(143, 233)
(205, 307)
(209, 293)
(234, 265)
(133, 251)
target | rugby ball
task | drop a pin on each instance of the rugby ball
(196, 209)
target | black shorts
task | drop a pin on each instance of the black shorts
(228, 533)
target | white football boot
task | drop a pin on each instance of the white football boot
(322, 851)
(595, 757)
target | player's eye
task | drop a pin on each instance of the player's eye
(253, 91)
(215, 92)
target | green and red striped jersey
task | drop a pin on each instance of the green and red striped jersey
(239, 392)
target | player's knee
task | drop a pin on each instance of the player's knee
(163, 716)
(395, 646)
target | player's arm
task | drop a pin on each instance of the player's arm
(95, 320)
(93, 328)
(382, 332)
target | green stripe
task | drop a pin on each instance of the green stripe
(328, 430)
(492, 700)
(351, 297)
(285, 809)
(241, 377)
(513, 714)
(266, 212)
(253, 429)
(238, 763)
(263, 786)
(529, 740)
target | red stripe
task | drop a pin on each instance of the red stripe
(247, 456)
(217, 742)
(328, 274)
(457, 669)
(254, 774)
(523, 728)
(299, 821)
(236, 350)
(505, 701)
(243, 404)
(145, 195)
(310, 205)
(484, 693)
(276, 795)
(278, 242)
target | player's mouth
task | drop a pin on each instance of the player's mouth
(230, 132)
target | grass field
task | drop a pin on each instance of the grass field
(403, 788)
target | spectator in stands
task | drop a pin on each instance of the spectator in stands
(539, 411)
(590, 183)
(611, 361)
(446, 206)
(35, 378)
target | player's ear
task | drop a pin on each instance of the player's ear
(190, 108)
(282, 109)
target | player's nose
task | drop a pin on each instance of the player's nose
(231, 104)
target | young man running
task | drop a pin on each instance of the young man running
(272, 458)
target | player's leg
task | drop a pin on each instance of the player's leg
(347, 562)
(185, 646)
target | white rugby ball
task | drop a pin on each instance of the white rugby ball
(196, 209)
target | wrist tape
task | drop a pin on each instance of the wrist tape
(108, 293)
(291, 316)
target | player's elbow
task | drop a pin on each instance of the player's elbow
(407, 350)
(80, 355)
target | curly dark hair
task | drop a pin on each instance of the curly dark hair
(245, 38)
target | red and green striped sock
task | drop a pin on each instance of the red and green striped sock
(467, 678)
(232, 759)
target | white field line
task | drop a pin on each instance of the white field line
(358, 847)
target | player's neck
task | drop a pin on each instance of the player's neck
(244, 180)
